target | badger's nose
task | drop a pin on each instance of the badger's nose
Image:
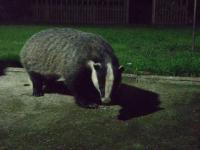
(105, 100)
(102, 92)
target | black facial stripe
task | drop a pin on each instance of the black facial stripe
(101, 75)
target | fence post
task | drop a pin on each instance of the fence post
(127, 11)
(153, 11)
(194, 25)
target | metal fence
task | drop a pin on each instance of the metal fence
(80, 11)
(172, 12)
(166, 12)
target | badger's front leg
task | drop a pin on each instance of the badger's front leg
(37, 82)
(83, 99)
(85, 102)
(87, 98)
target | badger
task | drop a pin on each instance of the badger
(85, 61)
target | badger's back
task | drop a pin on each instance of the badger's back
(56, 51)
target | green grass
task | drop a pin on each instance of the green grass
(151, 50)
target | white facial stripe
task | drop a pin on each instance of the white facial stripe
(94, 76)
(109, 83)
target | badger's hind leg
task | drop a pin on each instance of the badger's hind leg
(37, 81)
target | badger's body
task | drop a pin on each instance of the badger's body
(85, 61)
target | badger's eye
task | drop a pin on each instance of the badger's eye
(97, 66)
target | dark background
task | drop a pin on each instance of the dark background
(175, 12)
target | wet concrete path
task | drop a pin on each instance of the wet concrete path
(55, 122)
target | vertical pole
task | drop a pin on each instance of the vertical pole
(194, 25)
(153, 12)
(127, 10)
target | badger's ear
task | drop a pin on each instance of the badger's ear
(121, 68)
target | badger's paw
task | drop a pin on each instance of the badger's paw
(38, 94)
(93, 106)
(88, 105)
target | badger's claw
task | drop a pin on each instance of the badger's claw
(93, 106)
(38, 94)
(88, 105)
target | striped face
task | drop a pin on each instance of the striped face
(103, 79)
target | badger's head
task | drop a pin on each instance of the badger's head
(105, 78)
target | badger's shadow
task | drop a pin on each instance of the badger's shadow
(134, 101)
(9, 63)
(2, 68)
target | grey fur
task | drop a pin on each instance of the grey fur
(64, 52)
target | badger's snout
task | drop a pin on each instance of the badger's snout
(106, 100)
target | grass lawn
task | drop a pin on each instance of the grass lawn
(142, 50)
